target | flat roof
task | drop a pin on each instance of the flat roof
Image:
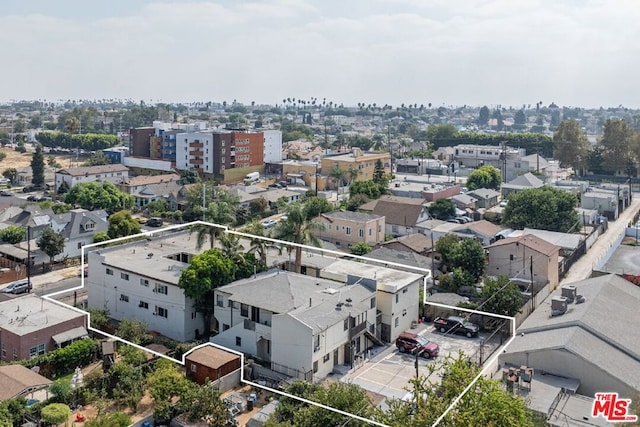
(624, 260)
(387, 279)
(30, 313)
(211, 357)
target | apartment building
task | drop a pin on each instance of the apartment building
(114, 174)
(356, 161)
(272, 146)
(140, 280)
(140, 141)
(304, 326)
(473, 156)
(345, 228)
(215, 151)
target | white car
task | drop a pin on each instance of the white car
(503, 203)
(269, 223)
(283, 218)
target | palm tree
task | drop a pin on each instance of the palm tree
(297, 229)
(353, 174)
(337, 174)
(222, 213)
(259, 245)
(232, 248)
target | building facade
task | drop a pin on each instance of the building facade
(348, 228)
(114, 173)
(356, 166)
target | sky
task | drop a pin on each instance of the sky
(581, 53)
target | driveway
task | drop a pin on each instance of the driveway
(389, 372)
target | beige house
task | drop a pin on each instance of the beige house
(345, 228)
(360, 164)
(513, 257)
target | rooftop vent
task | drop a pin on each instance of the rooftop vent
(330, 291)
(150, 254)
(558, 306)
(348, 302)
(580, 299)
(570, 292)
(339, 306)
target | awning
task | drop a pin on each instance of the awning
(70, 335)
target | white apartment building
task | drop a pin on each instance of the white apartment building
(473, 156)
(140, 281)
(303, 325)
(397, 292)
(194, 150)
(114, 173)
(272, 146)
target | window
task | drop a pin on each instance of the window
(326, 358)
(316, 343)
(193, 367)
(80, 245)
(225, 326)
(144, 282)
(510, 257)
(89, 226)
(35, 351)
(397, 298)
(239, 341)
(124, 276)
(4, 351)
(379, 228)
(109, 272)
(315, 366)
(370, 232)
(348, 231)
(219, 300)
(230, 303)
(244, 310)
(404, 291)
(15, 353)
(373, 302)
(143, 304)
(162, 312)
(394, 228)
(161, 289)
(397, 323)
(124, 297)
(346, 324)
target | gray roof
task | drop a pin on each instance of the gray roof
(387, 279)
(484, 193)
(563, 240)
(31, 313)
(92, 170)
(309, 299)
(351, 216)
(527, 180)
(401, 257)
(75, 221)
(591, 329)
(624, 261)
(464, 199)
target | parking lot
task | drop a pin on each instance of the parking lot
(388, 373)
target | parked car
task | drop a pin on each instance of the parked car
(268, 223)
(503, 204)
(456, 325)
(30, 188)
(284, 217)
(408, 342)
(154, 222)
(6, 193)
(18, 287)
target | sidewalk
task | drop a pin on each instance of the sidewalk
(55, 276)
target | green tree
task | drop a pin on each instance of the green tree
(221, 212)
(355, 201)
(122, 224)
(442, 209)
(206, 272)
(51, 243)
(100, 236)
(126, 384)
(53, 163)
(469, 255)
(487, 403)
(134, 330)
(166, 385)
(157, 207)
(113, 419)
(259, 245)
(315, 206)
(98, 159)
(484, 177)
(483, 117)
(346, 397)
(338, 176)
(446, 246)
(13, 234)
(55, 413)
(440, 131)
(360, 248)
(94, 195)
(570, 145)
(11, 174)
(257, 206)
(501, 296)
(298, 230)
(616, 144)
(380, 177)
(367, 187)
(544, 208)
(189, 176)
(61, 391)
(63, 188)
(204, 403)
(37, 167)
(520, 118)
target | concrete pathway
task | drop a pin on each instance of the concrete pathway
(55, 276)
(584, 266)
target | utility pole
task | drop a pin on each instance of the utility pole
(29, 258)
(533, 303)
(504, 161)
(537, 155)
(204, 197)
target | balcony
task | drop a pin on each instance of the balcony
(357, 330)
(262, 330)
(196, 153)
(196, 145)
(196, 161)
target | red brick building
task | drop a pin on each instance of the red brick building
(140, 141)
(210, 363)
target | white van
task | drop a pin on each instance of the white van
(252, 178)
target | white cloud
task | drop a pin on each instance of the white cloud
(452, 52)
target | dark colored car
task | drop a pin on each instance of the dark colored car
(30, 188)
(456, 325)
(6, 193)
(408, 342)
(154, 222)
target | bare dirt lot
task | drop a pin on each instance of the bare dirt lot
(22, 160)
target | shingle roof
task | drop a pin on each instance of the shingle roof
(15, 379)
(529, 240)
(417, 242)
(351, 216)
(484, 193)
(483, 227)
(527, 180)
(399, 210)
(151, 179)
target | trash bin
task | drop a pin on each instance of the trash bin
(146, 424)
(254, 397)
(249, 405)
